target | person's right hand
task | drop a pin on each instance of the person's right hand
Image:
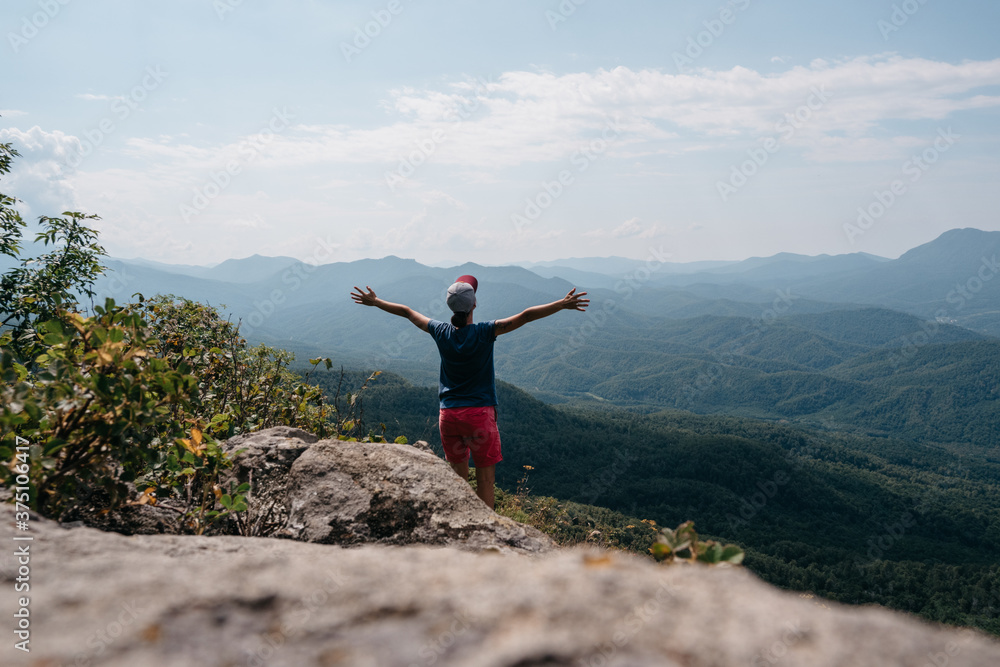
(362, 298)
(574, 301)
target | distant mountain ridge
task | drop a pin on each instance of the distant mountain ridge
(617, 266)
(251, 269)
(837, 338)
(306, 298)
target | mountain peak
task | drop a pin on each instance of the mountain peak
(964, 244)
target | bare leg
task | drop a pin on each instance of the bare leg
(485, 479)
(484, 484)
(462, 469)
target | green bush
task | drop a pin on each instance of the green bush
(129, 405)
(683, 544)
(94, 405)
(117, 398)
(240, 389)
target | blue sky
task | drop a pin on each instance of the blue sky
(499, 132)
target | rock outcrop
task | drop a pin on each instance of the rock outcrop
(183, 601)
(346, 493)
(352, 493)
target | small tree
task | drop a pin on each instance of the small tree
(41, 288)
(139, 394)
(85, 393)
(94, 406)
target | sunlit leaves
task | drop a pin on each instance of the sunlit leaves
(682, 544)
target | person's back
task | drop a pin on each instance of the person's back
(467, 386)
(467, 375)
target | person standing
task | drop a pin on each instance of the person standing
(467, 384)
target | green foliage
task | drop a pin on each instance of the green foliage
(142, 395)
(857, 367)
(134, 399)
(683, 544)
(241, 389)
(94, 403)
(347, 394)
(570, 523)
(189, 472)
(89, 394)
(42, 289)
(10, 220)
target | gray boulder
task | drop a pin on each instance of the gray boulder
(351, 493)
(263, 460)
(180, 601)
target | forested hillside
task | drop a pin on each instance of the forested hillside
(852, 518)
(868, 370)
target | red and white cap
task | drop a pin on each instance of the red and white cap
(462, 294)
(471, 280)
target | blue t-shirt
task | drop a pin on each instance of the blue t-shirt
(467, 378)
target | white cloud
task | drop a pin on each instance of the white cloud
(251, 222)
(12, 113)
(37, 144)
(437, 196)
(627, 228)
(650, 232)
(631, 228)
(89, 97)
(470, 138)
(40, 177)
(536, 117)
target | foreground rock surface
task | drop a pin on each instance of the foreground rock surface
(352, 493)
(182, 601)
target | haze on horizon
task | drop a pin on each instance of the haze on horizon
(499, 134)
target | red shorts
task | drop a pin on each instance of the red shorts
(470, 430)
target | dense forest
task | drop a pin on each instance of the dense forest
(866, 370)
(852, 518)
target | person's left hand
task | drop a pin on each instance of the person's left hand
(362, 298)
(574, 301)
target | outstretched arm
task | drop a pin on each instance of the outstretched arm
(571, 301)
(369, 299)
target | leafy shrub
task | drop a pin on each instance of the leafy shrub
(241, 389)
(43, 288)
(115, 399)
(683, 544)
(570, 523)
(93, 403)
(134, 399)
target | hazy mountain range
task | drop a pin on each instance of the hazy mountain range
(949, 278)
(847, 339)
